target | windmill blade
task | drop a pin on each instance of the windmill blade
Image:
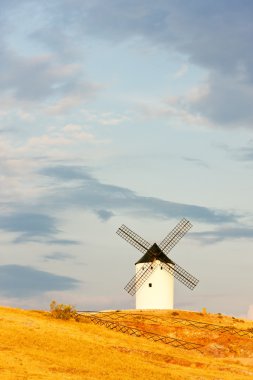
(140, 277)
(181, 274)
(134, 239)
(175, 235)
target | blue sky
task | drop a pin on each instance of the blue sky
(127, 112)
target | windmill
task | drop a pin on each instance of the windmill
(153, 282)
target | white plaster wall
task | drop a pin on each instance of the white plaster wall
(161, 294)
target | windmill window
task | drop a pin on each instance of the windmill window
(150, 285)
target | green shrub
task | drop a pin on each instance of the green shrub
(61, 311)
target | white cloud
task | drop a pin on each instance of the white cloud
(224, 100)
(74, 98)
(28, 117)
(47, 140)
(198, 93)
(72, 128)
(215, 37)
(174, 110)
(182, 71)
(77, 132)
(109, 118)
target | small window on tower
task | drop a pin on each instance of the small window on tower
(161, 268)
(150, 285)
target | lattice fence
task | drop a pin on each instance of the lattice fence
(110, 324)
(112, 316)
(212, 327)
(181, 322)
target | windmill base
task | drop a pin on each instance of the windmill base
(158, 290)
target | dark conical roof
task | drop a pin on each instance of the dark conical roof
(154, 253)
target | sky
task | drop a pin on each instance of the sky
(125, 112)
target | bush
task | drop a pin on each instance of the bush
(61, 311)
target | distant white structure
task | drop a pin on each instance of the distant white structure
(157, 292)
(153, 282)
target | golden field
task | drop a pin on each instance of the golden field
(34, 345)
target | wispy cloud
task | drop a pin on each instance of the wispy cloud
(223, 233)
(33, 227)
(179, 27)
(62, 242)
(181, 72)
(55, 73)
(104, 215)
(196, 161)
(74, 187)
(26, 281)
(244, 153)
(58, 256)
(29, 225)
(91, 194)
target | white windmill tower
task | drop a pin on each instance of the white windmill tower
(155, 272)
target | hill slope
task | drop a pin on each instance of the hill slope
(33, 345)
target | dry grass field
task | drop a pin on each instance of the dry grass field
(34, 345)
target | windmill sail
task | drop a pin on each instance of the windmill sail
(181, 274)
(140, 277)
(175, 235)
(134, 239)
